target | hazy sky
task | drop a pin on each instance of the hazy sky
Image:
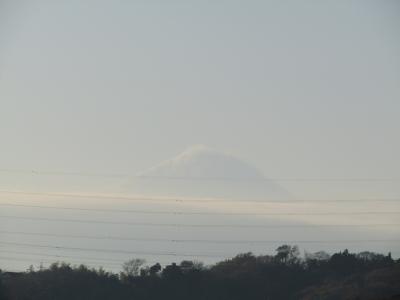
(298, 89)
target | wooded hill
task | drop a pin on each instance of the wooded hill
(286, 275)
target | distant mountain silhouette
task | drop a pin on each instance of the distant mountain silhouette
(204, 172)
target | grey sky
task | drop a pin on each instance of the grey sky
(298, 89)
(304, 89)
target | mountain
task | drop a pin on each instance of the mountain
(204, 172)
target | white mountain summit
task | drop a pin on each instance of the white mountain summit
(203, 163)
(204, 172)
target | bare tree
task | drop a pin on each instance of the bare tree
(132, 267)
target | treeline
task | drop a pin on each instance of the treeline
(286, 275)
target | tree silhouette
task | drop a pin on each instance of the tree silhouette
(155, 269)
(2, 296)
(344, 275)
(287, 254)
(132, 267)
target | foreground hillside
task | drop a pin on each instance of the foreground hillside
(377, 284)
(285, 275)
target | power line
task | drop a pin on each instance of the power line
(127, 198)
(135, 252)
(176, 254)
(64, 173)
(85, 260)
(109, 261)
(196, 225)
(158, 212)
(13, 258)
(194, 178)
(151, 212)
(188, 200)
(169, 240)
(89, 261)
